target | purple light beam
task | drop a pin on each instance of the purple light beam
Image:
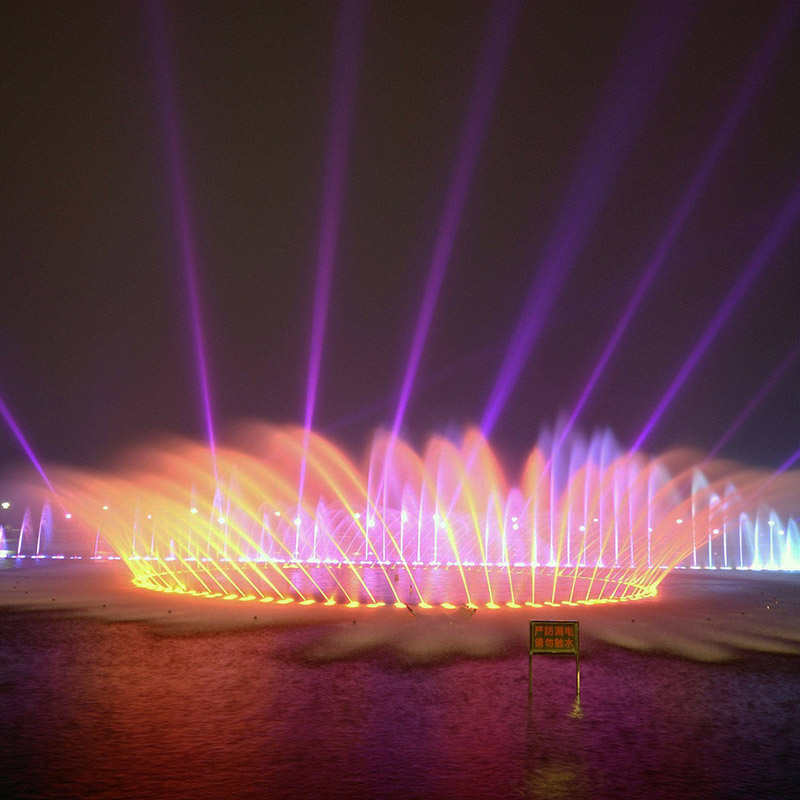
(766, 249)
(435, 378)
(182, 216)
(15, 429)
(650, 47)
(755, 74)
(788, 464)
(757, 399)
(504, 18)
(343, 90)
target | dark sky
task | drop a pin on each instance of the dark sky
(96, 349)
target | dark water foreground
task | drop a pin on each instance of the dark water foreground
(696, 695)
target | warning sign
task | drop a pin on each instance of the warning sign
(554, 636)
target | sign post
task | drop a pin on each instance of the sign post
(554, 637)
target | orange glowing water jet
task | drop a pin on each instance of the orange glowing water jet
(442, 528)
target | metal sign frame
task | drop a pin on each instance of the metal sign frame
(556, 637)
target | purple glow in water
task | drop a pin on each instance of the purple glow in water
(633, 84)
(766, 249)
(755, 74)
(503, 23)
(182, 217)
(348, 40)
(15, 429)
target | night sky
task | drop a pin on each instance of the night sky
(96, 349)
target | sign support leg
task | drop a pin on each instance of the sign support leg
(530, 675)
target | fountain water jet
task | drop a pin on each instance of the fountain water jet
(45, 527)
(445, 526)
(26, 527)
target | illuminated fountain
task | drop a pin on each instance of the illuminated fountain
(45, 529)
(25, 530)
(584, 523)
(762, 541)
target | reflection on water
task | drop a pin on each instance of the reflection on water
(92, 708)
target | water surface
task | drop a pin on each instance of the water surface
(100, 707)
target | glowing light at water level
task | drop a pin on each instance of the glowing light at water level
(602, 524)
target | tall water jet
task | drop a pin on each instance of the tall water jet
(25, 530)
(44, 533)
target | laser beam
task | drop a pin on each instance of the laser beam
(760, 258)
(757, 399)
(343, 89)
(754, 77)
(167, 103)
(628, 94)
(504, 17)
(17, 431)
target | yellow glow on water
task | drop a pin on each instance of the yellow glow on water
(636, 593)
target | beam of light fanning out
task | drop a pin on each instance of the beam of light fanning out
(15, 429)
(343, 90)
(649, 50)
(754, 77)
(504, 17)
(784, 223)
(167, 102)
(757, 399)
